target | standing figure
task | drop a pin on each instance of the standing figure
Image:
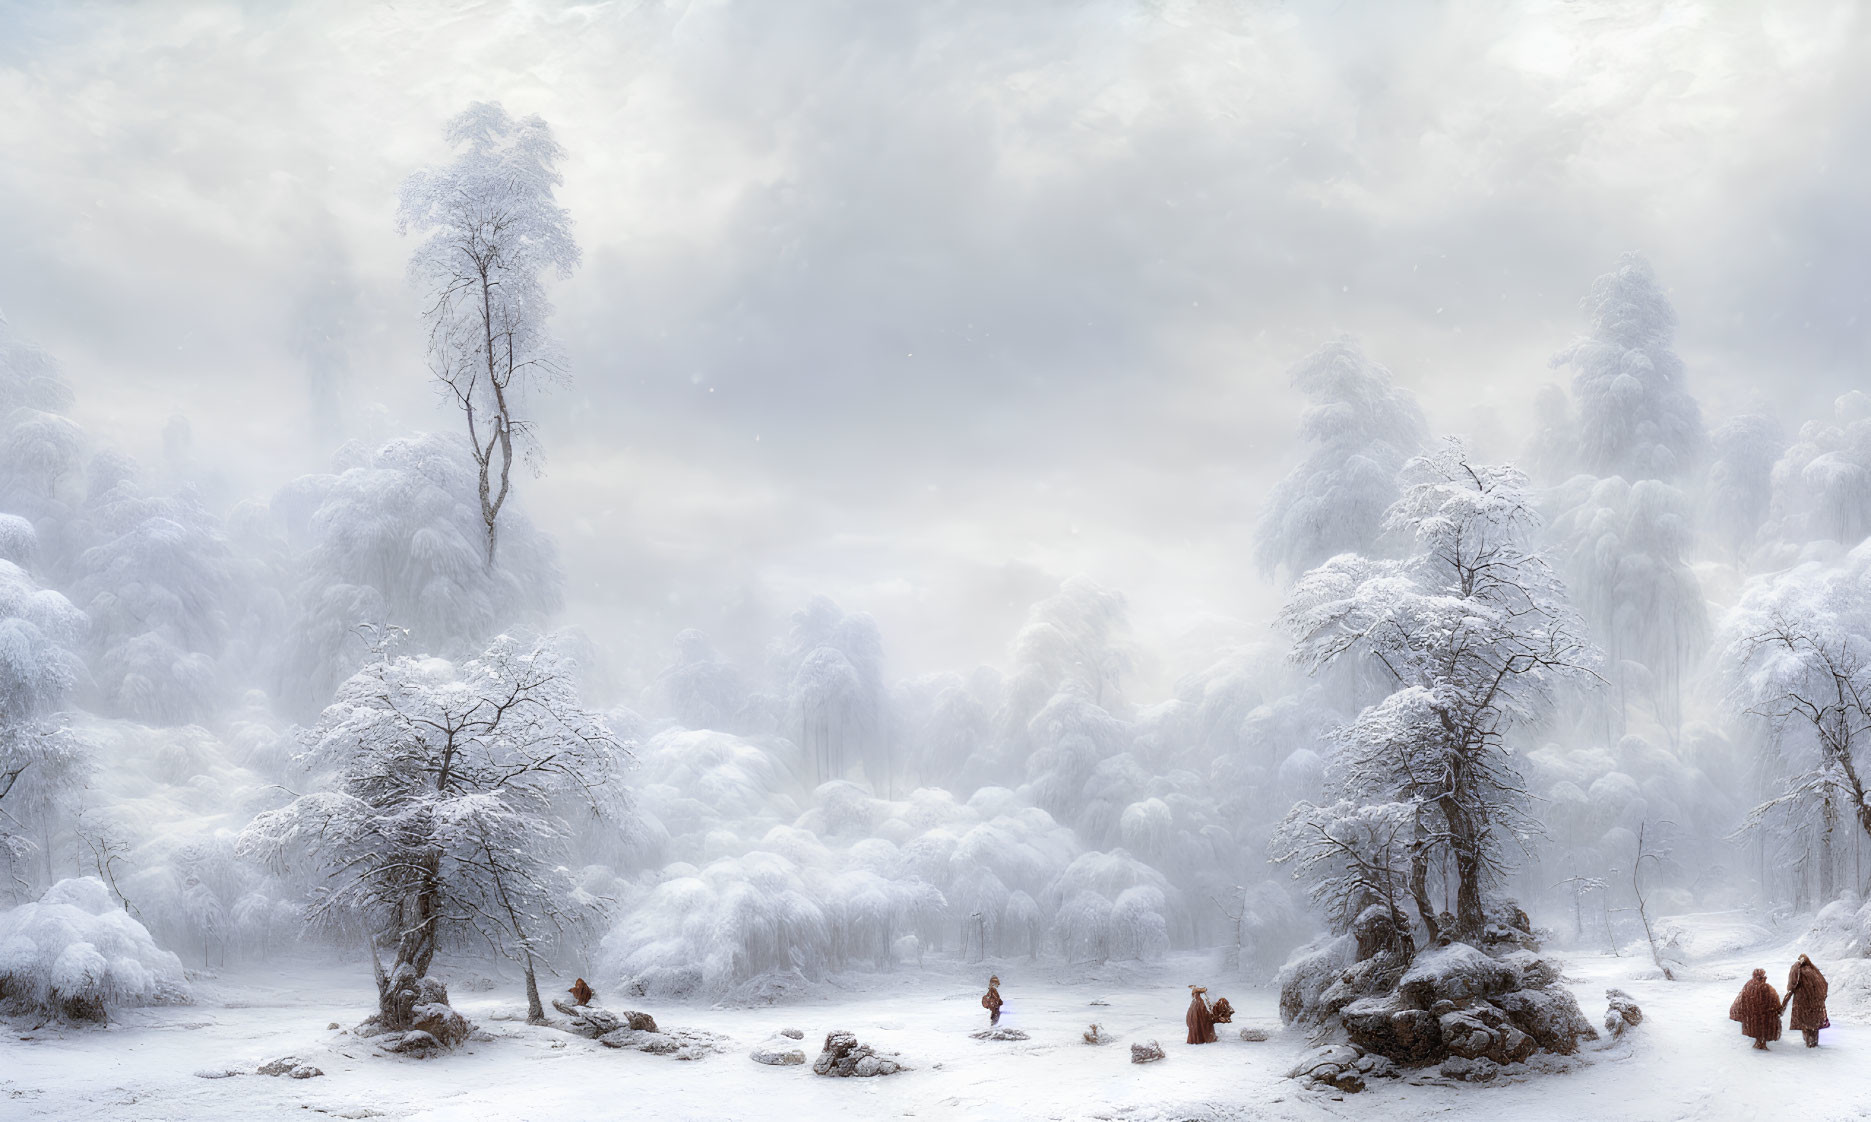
(1758, 1010)
(991, 1000)
(1806, 992)
(1201, 1021)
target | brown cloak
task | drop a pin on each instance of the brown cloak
(991, 1000)
(1806, 991)
(1224, 1012)
(1201, 1022)
(1758, 1009)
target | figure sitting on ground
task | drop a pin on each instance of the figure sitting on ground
(1223, 1012)
(581, 993)
(1758, 1010)
(1201, 1019)
(1806, 993)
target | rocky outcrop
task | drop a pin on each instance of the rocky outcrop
(1471, 1011)
(998, 1034)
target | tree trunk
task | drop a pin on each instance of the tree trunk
(1419, 892)
(535, 1012)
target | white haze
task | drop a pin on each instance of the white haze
(927, 307)
(1001, 497)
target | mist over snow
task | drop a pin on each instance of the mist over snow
(733, 501)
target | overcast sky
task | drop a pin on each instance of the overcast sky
(928, 305)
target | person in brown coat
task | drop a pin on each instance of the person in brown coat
(991, 1000)
(1806, 993)
(1758, 1010)
(1200, 1020)
(581, 993)
(1223, 1012)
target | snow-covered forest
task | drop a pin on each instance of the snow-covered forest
(417, 656)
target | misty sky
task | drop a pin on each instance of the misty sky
(926, 306)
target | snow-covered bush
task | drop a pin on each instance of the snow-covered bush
(76, 952)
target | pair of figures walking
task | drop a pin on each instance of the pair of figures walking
(1759, 1007)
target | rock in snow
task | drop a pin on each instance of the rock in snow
(844, 1056)
(998, 1034)
(1623, 1013)
(593, 1021)
(779, 1052)
(1146, 1053)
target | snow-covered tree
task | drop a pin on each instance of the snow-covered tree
(394, 539)
(493, 231)
(1359, 430)
(830, 666)
(444, 807)
(1477, 632)
(1796, 657)
(153, 588)
(1636, 417)
(1822, 484)
(41, 763)
(699, 690)
(1626, 549)
(1738, 496)
(1352, 857)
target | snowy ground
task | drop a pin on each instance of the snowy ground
(1687, 1061)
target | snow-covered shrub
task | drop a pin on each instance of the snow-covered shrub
(76, 952)
(1842, 928)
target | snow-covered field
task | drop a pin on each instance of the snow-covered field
(1687, 1061)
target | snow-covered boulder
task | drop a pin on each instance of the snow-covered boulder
(1146, 1053)
(592, 1021)
(76, 952)
(1458, 973)
(844, 1056)
(1306, 976)
(780, 1051)
(998, 1034)
(681, 1044)
(1551, 1016)
(1335, 1066)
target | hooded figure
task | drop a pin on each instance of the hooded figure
(581, 993)
(991, 1000)
(1201, 1021)
(1758, 1010)
(1806, 993)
